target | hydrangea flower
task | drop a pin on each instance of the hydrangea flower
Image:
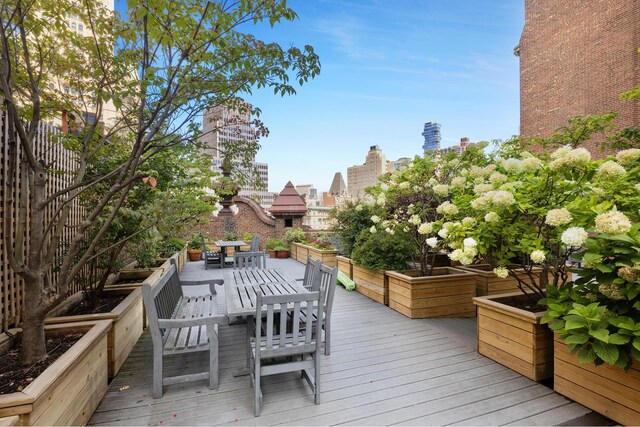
(469, 221)
(359, 208)
(432, 242)
(443, 233)
(373, 229)
(538, 256)
(384, 186)
(415, 220)
(375, 219)
(502, 198)
(492, 217)
(567, 157)
(458, 182)
(610, 171)
(480, 189)
(441, 189)
(381, 200)
(426, 228)
(497, 178)
(512, 165)
(447, 208)
(469, 242)
(627, 157)
(613, 222)
(574, 236)
(501, 272)
(558, 217)
(531, 164)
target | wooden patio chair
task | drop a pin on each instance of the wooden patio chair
(293, 344)
(311, 272)
(326, 283)
(249, 260)
(211, 258)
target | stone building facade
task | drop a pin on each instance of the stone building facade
(576, 58)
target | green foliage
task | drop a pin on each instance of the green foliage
(272, 244)
(383, 251)
(281, 247)
(598, 316)
(349, 221)
(246, 236)
(230, 235)
(171, 246)
(294, 235)
(195, 241)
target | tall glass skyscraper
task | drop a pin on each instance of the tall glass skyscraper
(432, 136)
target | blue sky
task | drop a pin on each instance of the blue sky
(388, 66)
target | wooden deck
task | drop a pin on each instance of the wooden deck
(383, 369)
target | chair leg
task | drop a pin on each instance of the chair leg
(256, 387)
(213, 361)
(157, 372)
(316, 375)
(327, 337)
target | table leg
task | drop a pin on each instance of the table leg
(249, 331)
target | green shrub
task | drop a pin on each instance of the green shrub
(295, 235)
(349, 221)
(195, 242)
(171, 245)
(383, 251)
(273, 243)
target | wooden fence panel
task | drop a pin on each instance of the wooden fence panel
(54, 154)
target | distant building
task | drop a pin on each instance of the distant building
(362, 176)
(576, 57)
(394, 165)
(338, 187)
(221, 125)
(432, 137)
(458, 149)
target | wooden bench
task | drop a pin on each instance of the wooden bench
(182, 324)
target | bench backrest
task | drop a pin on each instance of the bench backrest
(161, 298)
(255, 243)
(244, 260)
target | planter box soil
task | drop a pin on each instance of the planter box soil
(127, 318)
(345, 266)
(606, 389)
(371, 283)
(514, 337)
(448, 292)
(71, 388)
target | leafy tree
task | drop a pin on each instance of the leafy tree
(157, 68)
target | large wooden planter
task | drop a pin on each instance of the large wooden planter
(448, 292)
(345, 266)
(514, 337)
(127, 318)
(69, 390)
(606, 389)
(487, 283)
(371, 283)
(300, 253)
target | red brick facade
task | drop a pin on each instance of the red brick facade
(576, 58)
(250, 218)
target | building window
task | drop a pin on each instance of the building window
(288, 222)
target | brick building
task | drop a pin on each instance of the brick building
(576, 58)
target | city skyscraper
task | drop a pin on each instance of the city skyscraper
(432, 137)
(360, 177)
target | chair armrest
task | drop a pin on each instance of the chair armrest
(202, 282)
(220, 319)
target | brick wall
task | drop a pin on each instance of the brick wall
(576, 57)
(250, 218)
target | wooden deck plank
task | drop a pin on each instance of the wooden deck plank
(384, 369)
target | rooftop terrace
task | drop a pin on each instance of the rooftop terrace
(383, 369)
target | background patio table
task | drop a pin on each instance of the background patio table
(224, 244)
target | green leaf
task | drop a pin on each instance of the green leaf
(575, 322)
(618, 339)
(586, 355)
(577, 339)
(601, 334)
(636, 344)
(605, 268)
(607, 352)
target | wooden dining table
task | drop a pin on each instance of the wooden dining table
(224, 244)
(241, 288)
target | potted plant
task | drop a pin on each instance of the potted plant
(294, 237)
(596, 320)
(529, 215)
(195, 247)
(416, 201)
(271, 246)
(373, 254)
(281, 250)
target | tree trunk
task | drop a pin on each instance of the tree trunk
(33, 340)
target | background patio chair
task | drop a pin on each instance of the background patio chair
(295, 347)
(249, 260)
(326, 283)
(211, 258)
(311, 272)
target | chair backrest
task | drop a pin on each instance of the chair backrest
(290, 333)
(311, 273)
(255, 243)
(327, 284)
(249, 260)
(162, 297)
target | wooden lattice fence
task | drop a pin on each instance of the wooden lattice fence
(50, 151)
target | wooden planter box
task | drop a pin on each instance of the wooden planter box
(345, 266)
(301, 252)
(487, 283)
(448, 292)
(293, 249)
(514, 337)
(371, 283)
(606, 389)
(69, 390)
(127, 318)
